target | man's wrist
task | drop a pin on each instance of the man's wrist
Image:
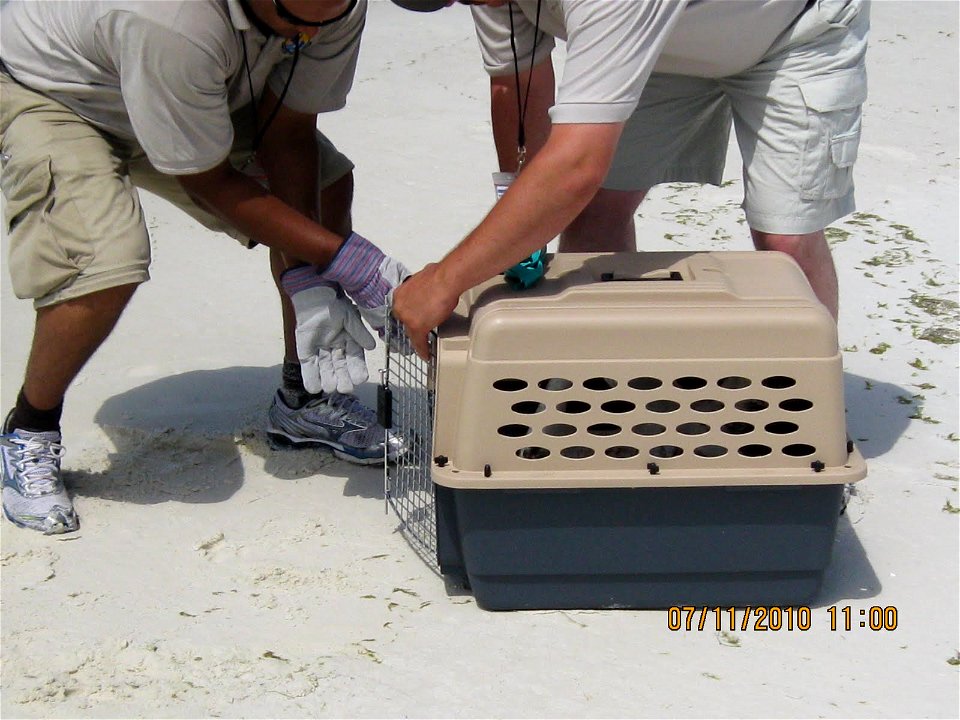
(354, 263)
(321, 269)
(447, 281)
(302, 277)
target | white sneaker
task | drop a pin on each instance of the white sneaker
(33, 493)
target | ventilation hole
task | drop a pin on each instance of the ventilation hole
(736, 428)
(554, 384)
(752, 405)
(618, 406)
(710, 451)
(510, 384)
(621, 452)
(513, 430)
(603, 429)
(754, 450)
(689, 383)
(734, 382)
(799, 450)
(533, 453)
(663, 406)
(693, 428)
(528, 407)
(796, 405)
(559, 430)
(781, 428)
(573, 407)
(649, 429)
(666, 451)
(707, 405)
(600, 383)
(577, 452)
(645, 383)
(779, 382)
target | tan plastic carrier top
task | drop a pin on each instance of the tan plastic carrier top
(643, 370)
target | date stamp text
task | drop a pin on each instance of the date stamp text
(774, 619)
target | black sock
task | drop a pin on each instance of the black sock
(292, 390)
(25, 416)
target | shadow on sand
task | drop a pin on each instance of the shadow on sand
(179, 438)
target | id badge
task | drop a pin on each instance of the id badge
(501, 181)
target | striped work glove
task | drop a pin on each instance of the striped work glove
(368, 276)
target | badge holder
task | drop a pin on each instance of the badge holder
(528, 272)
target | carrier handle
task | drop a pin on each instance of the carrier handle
(654, 276)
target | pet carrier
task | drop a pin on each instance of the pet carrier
(639, 430)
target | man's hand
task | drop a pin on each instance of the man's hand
(421, 304)
(368, 276)
(330, 335)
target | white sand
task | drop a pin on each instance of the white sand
(215, 577)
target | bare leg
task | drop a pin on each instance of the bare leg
(813, 255)
(277, 265)
(65, 337)
(606, 224)
(336, 202)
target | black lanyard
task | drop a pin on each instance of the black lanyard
(291, 46)
(522, 104)
(259, 132)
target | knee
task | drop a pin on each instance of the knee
(605, 224)
(336, 202)
(612, 207)
(806, 244)
(112, 300)
(106, 303)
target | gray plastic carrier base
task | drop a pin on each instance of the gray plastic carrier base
(638, 548)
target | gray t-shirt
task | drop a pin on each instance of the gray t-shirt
(614, 45)
(168, 74)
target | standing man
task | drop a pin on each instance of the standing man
(647, 95)
(213, 104)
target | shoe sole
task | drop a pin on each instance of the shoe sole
(338, 450)
(58, 529)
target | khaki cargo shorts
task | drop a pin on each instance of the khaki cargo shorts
(72, 212)
(797, 117)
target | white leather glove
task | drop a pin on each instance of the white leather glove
(368, 276)
(330, 335)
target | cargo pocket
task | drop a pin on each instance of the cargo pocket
(833, 114)
(39, 265)
(23, 187)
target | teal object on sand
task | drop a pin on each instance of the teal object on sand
(527, 273)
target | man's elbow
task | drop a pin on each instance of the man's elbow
(584, 173)
(194, 184)
(592, 172)
(191, 190)
(587, 151)
(204, 186)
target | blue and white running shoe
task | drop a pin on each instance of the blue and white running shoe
(339, 421)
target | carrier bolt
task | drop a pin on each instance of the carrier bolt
(653, 468)
(487, 472)
(440, 460)
(817, 466)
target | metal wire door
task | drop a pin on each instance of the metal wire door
(405, 406)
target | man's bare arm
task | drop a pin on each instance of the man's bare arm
(285, 216)
(550, 192)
